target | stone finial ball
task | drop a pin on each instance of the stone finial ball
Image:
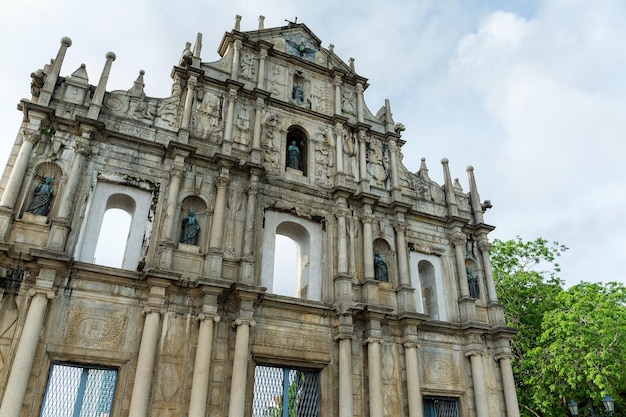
(469, 168)
(141, 72)
(110, 55)
(444, 161)
(66, 41)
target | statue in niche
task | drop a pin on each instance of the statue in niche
(298, 94)
(41, 202)
(472, 283)
(191, 229)
(293, 156)
(380, 268)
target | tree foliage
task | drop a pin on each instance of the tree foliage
(571, 342)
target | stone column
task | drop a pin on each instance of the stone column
(19, 169)
(247, 265)
(142, 385)
(60, 225)
(359, 103)
(45, 95)
(237, 401)
(337, 83)
(416, 407)
(403, 260)
(478, 382)
(191, 89)
(459, 243)
(234, 72)
(363, 158)
(258, 113)
(508, 385)
(98, 96)
(368, 245)
(261, 75)
(228, 123)
(27, 347)
(217, 224)
(345, 376)
(342, 238)
(374, 376)
(484, 246)
(339, 146)
(393, 154)
(176, 171)
(202, 365)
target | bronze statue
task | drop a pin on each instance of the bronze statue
(380, 268)
(191, 229)
(293, 160)
(472, 283)
(41, 202)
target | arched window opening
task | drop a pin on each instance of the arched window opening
(112, 238)
(296, 150)
(428, 287)
(286, 269)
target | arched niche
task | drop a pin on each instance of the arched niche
(389, 257)
(201, 212)
(296, 136)
(135, 202)
(427, 279)
(43, 171)
(307, 236)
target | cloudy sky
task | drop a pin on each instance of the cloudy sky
(531, 93)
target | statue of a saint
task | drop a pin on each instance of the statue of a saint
(191, 229)
(293, 156)
(472, 283)
(41, 202)
(380, 268)
(298, 94)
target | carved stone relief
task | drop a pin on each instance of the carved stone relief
(439, 369)
(242, 133)
(207, 120)
(96, 328)
(377, 165)
(293, 341)
(248, 66)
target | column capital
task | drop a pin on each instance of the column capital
(263, 53)
(30, 136)
(473, 351)
(43, 291)
(337, 80)
(411, 345)
(483, 243)
(373, 340)
(204, 316)
(221, 182)
(152, 309)
(359, 88)
(400, 226)
(243, 321)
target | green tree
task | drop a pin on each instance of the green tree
(570, 342)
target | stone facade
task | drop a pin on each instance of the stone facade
(273, 138)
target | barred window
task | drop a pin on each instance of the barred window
(441, 407)
(274, 387)
(77, 391)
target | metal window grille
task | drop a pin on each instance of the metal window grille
(274, 387)
(76, 391)
(441, 407)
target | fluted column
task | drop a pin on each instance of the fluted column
(416, 407)
(202, 366)
(374, 376)
(27, 347)
(508, 385)
(478, 382)
(191, 89)
(238, 384)
(217, 225)
(261, 75)
(142, 385)
(14, 183)
(368, 245)
(359, 103)
(484, 246)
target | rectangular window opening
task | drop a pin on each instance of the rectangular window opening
(275, 386)
(79, 391)
(441, 407)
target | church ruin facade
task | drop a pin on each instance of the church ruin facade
(391, 310)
